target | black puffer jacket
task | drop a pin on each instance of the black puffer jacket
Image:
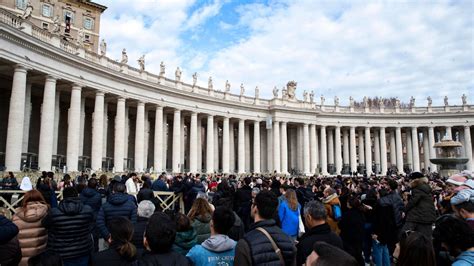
(118, 204)
(256, 249)
(91, 197)
(10, 248)
(420, 208)
(69, 229)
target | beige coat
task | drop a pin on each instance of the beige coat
(32, 236)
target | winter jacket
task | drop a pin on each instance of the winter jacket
(169, 259)
(202, 226)
(111, 257)
(393, 199)
(255, 248)
(384, 224)
(32, 236)
(69, 229)
(466, 258)
(289, 218)
(92, 198)
(318, 233)
(237, 231)
(159, 185)
(118, 204)
(138, 232)
(184, 241)
(216, 250)
(420, 207)
(352, 227)
(10, 254)
(328, 203)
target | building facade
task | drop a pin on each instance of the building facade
(63, 106)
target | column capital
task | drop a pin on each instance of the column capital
(141, 103)
(21, 68)
(176, 110)
(99, 93)
(51, 78)
(121, 99)
(76, 86)
(194, 113)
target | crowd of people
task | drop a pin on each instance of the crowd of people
(247, 220)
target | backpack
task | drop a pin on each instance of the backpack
(336, 212)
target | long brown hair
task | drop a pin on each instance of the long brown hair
(290, 196)
(32, 196)
(200, 208)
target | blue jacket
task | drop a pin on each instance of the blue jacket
(159, 185)
(118, 204)
(216, 250)
(289, 218)
(465, 259)
(92, 198)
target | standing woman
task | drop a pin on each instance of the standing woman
(289, 214)
(32, 236)
(200, 216)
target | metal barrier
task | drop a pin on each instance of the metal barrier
(167, 200)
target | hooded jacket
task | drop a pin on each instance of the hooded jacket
(184, 241)
(328, 203)
(32, 236)
(91, 197)
(216, 250)
(69, 229)
(202, 226)
(393, 199)
(118, 204)
(420, 208)
(11, 252)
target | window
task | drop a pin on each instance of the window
(47, 10)
(88, 23)
(69, 14)
(21, 4)
(45, 26)
(87, 37)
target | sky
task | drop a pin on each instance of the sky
(335, 48)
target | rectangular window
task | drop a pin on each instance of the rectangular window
(47, 10)
(21, 4)
(45, 26)
(88, 23)
(87, 37)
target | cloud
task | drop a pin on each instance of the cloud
(203, 13)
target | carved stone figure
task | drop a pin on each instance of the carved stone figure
(397, 103)
(124, 56)
(177, 74)
(412, 101)
(381, 103)
(430, 101)
(464, 99)
(162, 69)
(366, 101)
(56, 26)
(195, 77)
(446, 101)
(284, 93)
(311, 97)
(209, 84)
(305, 96)
(275, 92)
(322, 100)
(28, 11)
(336, 101)
(351, 101)
(227, 86)
(291, 88)
(141, 63)
(103, 47)
(242, 89)
(257, 92)
(80, 37)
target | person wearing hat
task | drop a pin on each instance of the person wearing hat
(420, 210)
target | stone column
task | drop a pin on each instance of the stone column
(73, 124)
(247, 148)
(97, 131)
(313, 149)
(409, 143)
(83, 119)
(140, 137)
(16, 118)
(199, 144)
(337, 152)
(26, 123)
(306, 159)
(330, 137)
(119, 137)
(104, 132)
(324, 163)
(284, 147)
(426, 150)
(165, 141)
(393, 150)
(270, 150)
(216, 146)
(176, 148)
(299, 148)
(432, 151)
(276, 146)
(256, 146)
(345, 150)
(293, 147)
(468, 147)
(193, 132)
(377, 151)
(182, 144)
(225, 145)
(210, 144)
(47, 124)
(368, 151)
(158, 143)
(231, 148)
(57, 114)
(383, 151)
(361, 148)
(398, 143)
(263, 151)
(241, 150)
(353, 152)
(449, 133)
(416, 149)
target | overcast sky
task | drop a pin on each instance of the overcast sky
(344, 48)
